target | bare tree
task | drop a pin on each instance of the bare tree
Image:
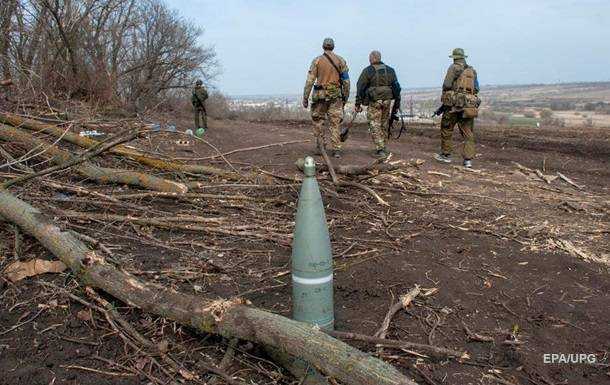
(120, 51)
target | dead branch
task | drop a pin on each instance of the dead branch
(395, 344)
(354, 170)
(127, 152)
(403, 303)
(369, 190)
(190, 196)
(329, 164)
(350, 170)
(99, 174)
(231, 319)
(175, 223)
(475, 336)
(78, 190)
(569, 181)
(546, 178)
(102, 147)
(246, 149)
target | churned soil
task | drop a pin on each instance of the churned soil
(511, 257)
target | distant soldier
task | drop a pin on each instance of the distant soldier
(377, 87)
(460, 106)
(328, 75)
(200, 94)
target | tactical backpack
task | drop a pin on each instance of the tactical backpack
(380, 88)
(462, 97)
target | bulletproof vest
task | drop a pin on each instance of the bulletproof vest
(380, 87)
(465, 81)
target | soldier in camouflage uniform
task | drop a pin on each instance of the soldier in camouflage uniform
(377, 87)
(200, 94)
(456, 114)
(328, 76)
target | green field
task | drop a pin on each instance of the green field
(522, 121)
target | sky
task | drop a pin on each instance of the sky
(266, 46)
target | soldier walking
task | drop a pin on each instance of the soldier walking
(328, 76)
(460, 105)
(377, 87)
(200, 94)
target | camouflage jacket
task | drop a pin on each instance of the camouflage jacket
(200, 94)
(377, 76)
(454, 72)
(326, 78)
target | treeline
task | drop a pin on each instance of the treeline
(126, 52)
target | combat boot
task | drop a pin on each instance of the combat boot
(443, 158)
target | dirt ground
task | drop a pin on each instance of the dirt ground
(513, 257)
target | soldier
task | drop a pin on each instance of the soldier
(377, 87)
(460, 105)
(328, 76)
(200, 94)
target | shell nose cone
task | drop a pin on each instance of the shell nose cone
(309, 167)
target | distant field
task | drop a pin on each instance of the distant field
(569, 91)
(573, 104)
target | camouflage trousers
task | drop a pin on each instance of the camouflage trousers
(377, 114)
(466, 126)
(201, 119)
(334, 110)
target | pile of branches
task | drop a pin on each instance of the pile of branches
(82, 205)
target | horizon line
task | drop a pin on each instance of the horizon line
(507, 85)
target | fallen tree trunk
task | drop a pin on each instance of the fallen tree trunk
(353, 170)
(231, 319)
(356, 170)
(74, 161)
(131, 153)
(99, 174)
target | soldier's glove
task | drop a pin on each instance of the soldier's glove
(305, 102)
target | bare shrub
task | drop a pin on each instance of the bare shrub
(271, 112)
(219, 106)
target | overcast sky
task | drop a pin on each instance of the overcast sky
(265, 47)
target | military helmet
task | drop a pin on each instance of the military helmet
(199, 82)
(328, 43)
(458, 53)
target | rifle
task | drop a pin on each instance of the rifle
(441, 110)
(394, 117)
(345, 130)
